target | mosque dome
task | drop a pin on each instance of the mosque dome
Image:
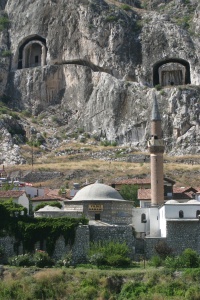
(193, 201)
(49, 208)
(171, 202)
(97, 191)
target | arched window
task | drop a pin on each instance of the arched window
(143, 218)
(197, 214)
(181, 214)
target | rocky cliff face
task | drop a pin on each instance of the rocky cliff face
(98, 64)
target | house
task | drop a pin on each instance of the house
(19, 197)
(48, 196)
(181, 194)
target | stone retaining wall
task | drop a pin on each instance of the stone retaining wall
(120, 234)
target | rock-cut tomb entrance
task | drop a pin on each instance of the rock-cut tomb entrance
(171, 72)
(32, 53)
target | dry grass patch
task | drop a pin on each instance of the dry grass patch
(49, 274)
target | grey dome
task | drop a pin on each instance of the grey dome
(97, 191)
(171, 202)
(49, 208)
(193, 201)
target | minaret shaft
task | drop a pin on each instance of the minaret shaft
(157, 184)
(156, 148)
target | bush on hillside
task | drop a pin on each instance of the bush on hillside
(40, 259)
(109, 254)
(188, 259)
(163, 250)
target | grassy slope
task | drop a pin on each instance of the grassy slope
(85, 284)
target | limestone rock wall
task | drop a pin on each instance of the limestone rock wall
(102, 62)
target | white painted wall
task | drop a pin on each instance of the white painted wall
(154, 222)
(189, 210)
(23, 200)
(145, 203)
(136, 220)
(163, 222)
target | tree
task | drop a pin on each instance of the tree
(129, 192)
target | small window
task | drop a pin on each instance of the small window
(181, 214)
(197, 214)
(143, 218)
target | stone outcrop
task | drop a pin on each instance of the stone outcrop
(98, 62)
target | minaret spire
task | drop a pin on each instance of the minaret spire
(156, 148)
(155, 111)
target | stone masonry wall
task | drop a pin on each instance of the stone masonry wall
(180, 235)
(120, 234)
(78, 250)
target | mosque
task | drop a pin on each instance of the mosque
(169, 220)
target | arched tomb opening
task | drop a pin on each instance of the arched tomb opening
(171, 72)
(32, 53)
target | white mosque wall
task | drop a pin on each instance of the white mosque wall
(154, 222)
(163, 224)
(138, 214)
(173, 211)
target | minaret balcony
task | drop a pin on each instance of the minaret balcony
(156, 145)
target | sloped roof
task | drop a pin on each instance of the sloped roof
(46, 198)
(144, 194)
(11, 194)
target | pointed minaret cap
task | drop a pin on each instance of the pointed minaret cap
(155, 111)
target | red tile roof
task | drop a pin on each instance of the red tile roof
(11, 194)
(46, 198)
(144, 194)
(178, 193)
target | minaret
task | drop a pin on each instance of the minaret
(156, 148)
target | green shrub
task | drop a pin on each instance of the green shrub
(26, 113)
(66, 260)
(42, 259)
(111, 18)
(4, 23)
(158, 87)
(193, 293)
(25, 260)
(129, 192)
(162, 249)
(54, 204)
(156, 261)
(109, 254)
(189, 258)
(6, 53)
(106, 143)
(125, 7)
